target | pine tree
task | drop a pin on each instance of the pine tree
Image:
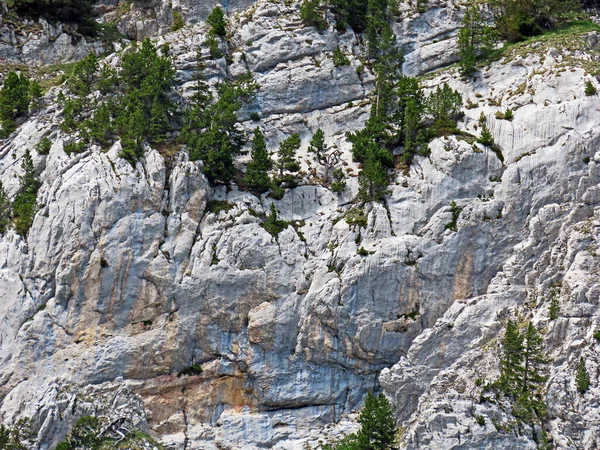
(444, 106)
(25, 204)
(217, 22)
(99, 127)
(582, 378)
(373, 179)
(257, 176)
(378, 426)
(287, 154)
(534, 361)
(159, 122)
(325, 156)
(4, 209)
(511, 363)
(311, 15)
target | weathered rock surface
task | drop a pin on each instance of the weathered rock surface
(128, 277)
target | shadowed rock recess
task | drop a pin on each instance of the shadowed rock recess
(133, 296)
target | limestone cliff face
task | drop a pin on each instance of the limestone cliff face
(127, 278)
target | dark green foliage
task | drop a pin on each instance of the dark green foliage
(83, 75)
(377, 424)
(474, 38)
(272, 224)
(339, 181)
(79, 12)
(217, 22)
(210, 126)
(108, 80)
(257, 172)
(455, 210)
(363, 252)
(14, 101)
(511, 363)
(311, 14)
(523, 368)
(373, 179)
(590, 89)
(43, 147)
(74, 146)
(356, 216)
(326, 156)
(4, 210)
(486, 137)
(535, 362)
(99, 126)
(516, 19)
(508, 115)
(216, 206)
(36, 94)
(444, 106)
(254, 116)
(339, 59)
(17, 437)
(582, 378)
(213, 47)
(25, 204)
(72, 109)
(178, 22)
(287, 161)
(597, 335)
(350, 13)
(377, 427)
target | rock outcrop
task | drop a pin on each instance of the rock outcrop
(134, 292)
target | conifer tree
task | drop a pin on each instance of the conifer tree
(535, 361)
(325, 156)
(287, 155)
(159, 122)
(582, 378)
(444, 106)
(217, 22)
(311, 15)
(378, 427)
(373, 179)
(25, 204)
(511, 363)
(4, 209)
(257, 176)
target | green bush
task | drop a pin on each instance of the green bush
(311, 14)
(339, 181)
(590, 89)
(582, 378)
(14, 101)
(455, 210)
(178, 22)
(339, 59)
(517, 19)
(272, 224)
(43, 147)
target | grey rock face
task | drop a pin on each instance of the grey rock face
(128, 277)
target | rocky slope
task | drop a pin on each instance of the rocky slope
(128, 277)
